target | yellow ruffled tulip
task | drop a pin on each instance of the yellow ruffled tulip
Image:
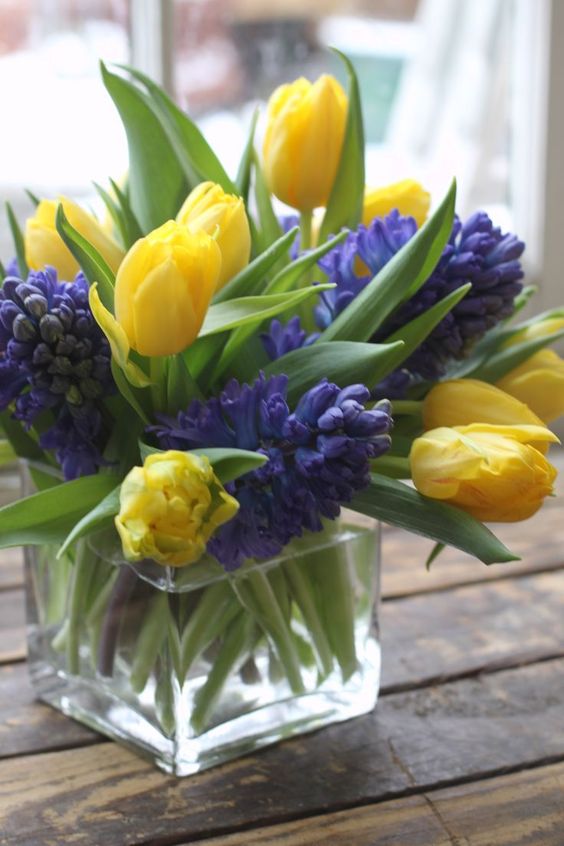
(44, 245)
(164, 286)
(170, 507)
(303, 141)
(538, 382)
(492, 472)
(222, 215)
(408, 197)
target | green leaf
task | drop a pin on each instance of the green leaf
(347, 195)
(133, 229)
(115, 214)
(98, 518)
(7, 453)
(18, 241)
(228, 315)
(156, 179)
(285, 280)
(416, 331)
(269, 226)
(243, 178)
(33, 197)
(198, 161)
(48, 516)
(94, 266)
(22, 442)
(399, 505)
(181, 387)
(433, 555)
(227, 463)
(342, 362)
(130, 394)
(398, 280)
(506, 359)
(251, 280)
(289, 276)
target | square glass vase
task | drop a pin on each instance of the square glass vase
(194, 666)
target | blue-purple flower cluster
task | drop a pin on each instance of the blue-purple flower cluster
(477, 252)
(318, 457)
(283, 338)
(54, 358)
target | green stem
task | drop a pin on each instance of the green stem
(411, 407)
(95, 616)
(157, 370)
(81, 577)
(394, 466)
(208, 620)
(306, 218)
(256, 594)
(304, 595)
(149, 643)
(235, 645)
(330, 569)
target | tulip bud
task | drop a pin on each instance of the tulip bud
(164, 286)
(407, 196)
(460, 402)
(44, 246)
(303, 141)
(170, 507)
(539, 329)
(492, 472)
(223, 216)
(538, 382)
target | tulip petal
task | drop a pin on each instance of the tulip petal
(117, 340)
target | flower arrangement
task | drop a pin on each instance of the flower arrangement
(200, 385)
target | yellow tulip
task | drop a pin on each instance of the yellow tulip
(44, 245)
(170, 507)
(538, 382)
(303, 141)
(407, 196)
(540, 329)
(460, 402)
(492, 472)
(222, 215)
(164, 286)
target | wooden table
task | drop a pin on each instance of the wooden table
(466, 745)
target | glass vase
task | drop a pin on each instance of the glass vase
(194, 666)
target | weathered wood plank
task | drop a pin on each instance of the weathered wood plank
(473, 628)
(522, 809)
(26, 726)
(11, 568)
(414, 741)
(539, 541)
(12, 626)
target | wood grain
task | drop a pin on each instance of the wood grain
(12, 626)
(471, 629)
(524, 809)
(11, 568)
(414, 741)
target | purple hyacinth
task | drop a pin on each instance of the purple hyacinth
(54, 357)
(283, 338)
(477, 252)
(318, 457)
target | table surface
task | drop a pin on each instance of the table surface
(465, 746)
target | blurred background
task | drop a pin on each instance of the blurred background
(467, 87)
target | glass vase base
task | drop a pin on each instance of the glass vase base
(96, 706)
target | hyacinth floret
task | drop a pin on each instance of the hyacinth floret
(477, 252)
(318, 457)
(283, 338)
(54, 357)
